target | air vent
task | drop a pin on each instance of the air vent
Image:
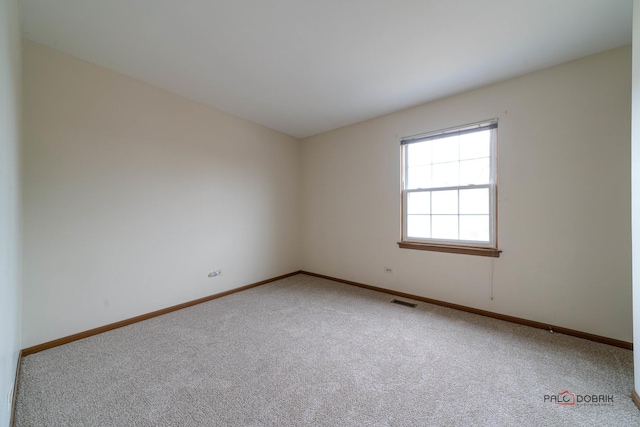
(405, 303)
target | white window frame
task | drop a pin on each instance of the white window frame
(489, 248)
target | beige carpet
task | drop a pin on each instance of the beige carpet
(307, 351)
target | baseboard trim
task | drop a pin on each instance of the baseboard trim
(635, 398)
(512, 319)
(132, 320)
(15, 390)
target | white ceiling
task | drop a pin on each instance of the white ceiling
(308, 66)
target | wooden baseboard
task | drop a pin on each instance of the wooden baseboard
(15, 390)
(532, 323)
(126, 322)
(518, 320)
(635, 398)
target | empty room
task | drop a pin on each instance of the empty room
(336, 213)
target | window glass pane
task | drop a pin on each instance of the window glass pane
(444, 202)
(445, 226)
(474, 171)
(419, 203)
(419, 226)
(474, 227)
(419, 154)
(419, 177)
(445, 149)
(474, 201)
(445, 175)
(475, 145)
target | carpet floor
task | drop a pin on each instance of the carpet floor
(308, 351)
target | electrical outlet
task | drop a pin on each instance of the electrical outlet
(388, 270)
(215, 273)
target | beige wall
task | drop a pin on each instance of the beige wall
(132, 195)
(635, 185)
(564, 200)
(10, 239)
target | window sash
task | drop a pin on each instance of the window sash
(491, 243)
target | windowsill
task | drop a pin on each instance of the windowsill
(466, 250)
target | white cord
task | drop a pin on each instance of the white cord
(493, 263)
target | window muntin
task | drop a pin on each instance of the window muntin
(449, 186)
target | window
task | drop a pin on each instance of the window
(449, 190)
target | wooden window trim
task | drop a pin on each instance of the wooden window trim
(466, 250)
